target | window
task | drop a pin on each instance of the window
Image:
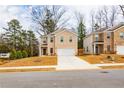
(51, 50)
(70, 39)
(108, 47)
(44, 41)
(122, 35)
(108, 35)
(51, 39)
(96, 37)
(61, 39)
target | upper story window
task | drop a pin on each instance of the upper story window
(70, 39)
(61, 39)
(108, 35)
(51, 39)
(44, 41)
(96, 37)
(122, 35)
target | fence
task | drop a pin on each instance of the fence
(80, 52)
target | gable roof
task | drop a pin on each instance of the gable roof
(101, 29)
(97, 31)
(116, 27)
(105, 29)
(63, 29)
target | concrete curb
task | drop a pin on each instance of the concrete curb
(27, 67)
(114, 64)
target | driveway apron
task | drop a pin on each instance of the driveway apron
(73, 62)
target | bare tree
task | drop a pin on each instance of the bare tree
(92, 16)
(99, 18)
(48, 18)
(105, 14)
(113, 15)
(79, 17)
(104, 17)
(122, 9)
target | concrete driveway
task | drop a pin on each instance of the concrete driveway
(73, 62)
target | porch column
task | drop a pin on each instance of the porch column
(40, 47)
(94, 49)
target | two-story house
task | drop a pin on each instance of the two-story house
(109, 40)
(60, 42)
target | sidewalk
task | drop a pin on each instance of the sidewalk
(27, 67)
(114, 64)
(55, 66)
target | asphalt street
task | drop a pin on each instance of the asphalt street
(64, 79)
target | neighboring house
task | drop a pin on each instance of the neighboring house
(88, 44)
(60, 42)
(105, 41)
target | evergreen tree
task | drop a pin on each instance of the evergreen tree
(13, 32)
(31, 43)
(81, 34)
(20, 40)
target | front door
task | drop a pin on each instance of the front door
(44, 51)
(97, 50)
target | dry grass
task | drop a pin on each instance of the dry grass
(3, 61)
(112, 67)
(28, 70)
(120, 59)
(98, 59)
(32, 61)
(93, 59)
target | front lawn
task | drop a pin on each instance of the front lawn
(101, 59)
(31, 61)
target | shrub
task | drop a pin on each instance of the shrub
(24, 54)
(110, 58)
(19, 55)
(4, 48)
(13, 54)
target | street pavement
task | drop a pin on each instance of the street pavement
(64, 79)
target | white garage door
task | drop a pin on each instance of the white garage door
(66, 51)
(120, 50)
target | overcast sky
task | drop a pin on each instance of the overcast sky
(15, 12)
(22, 13)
